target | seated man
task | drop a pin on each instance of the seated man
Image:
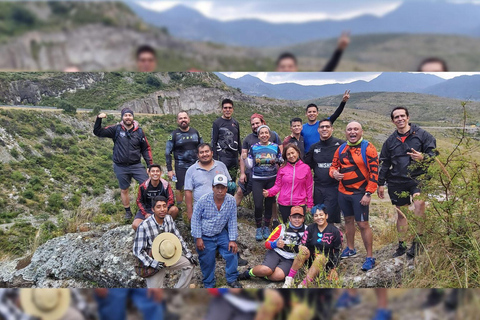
(146, 233)
(148, 190)
(282, 245)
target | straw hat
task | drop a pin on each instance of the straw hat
(47, 304)
(166, 248)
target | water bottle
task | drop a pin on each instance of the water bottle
(174, 179)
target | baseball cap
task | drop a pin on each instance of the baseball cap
(296, 210)
(220, 179)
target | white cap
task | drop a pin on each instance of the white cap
(220, 179)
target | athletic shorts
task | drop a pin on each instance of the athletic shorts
(126, 173)
(247, 187)
(350, 206)
(274, 260)
(180, 174)
(400, 194)
(329, 197)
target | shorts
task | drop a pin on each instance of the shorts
(274, 260)
(126, 173)
(350, 205)
(329, 197)
(247, 187)
(400, 194)
(180, 174)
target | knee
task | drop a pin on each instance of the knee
(266, 270)
(136, 223)
(303, 253)
(124, 191)
(349, 220)
(319, 261)
(363, 225)
(274, 299)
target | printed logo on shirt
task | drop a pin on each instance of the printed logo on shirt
(317, 150)
(324, 165)
(122, 134)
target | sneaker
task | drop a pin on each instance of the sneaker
(368, 264)
(401, 250)
(265, 232)
(383, 314)
(348, 253)
(413, 251)
(346, 301)
(235, 284)
(242, 262)
(128, 215)
(244, 275)
(434, 298)
(259, 235)
(288, 282)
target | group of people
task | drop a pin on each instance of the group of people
(345, 175)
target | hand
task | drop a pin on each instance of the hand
(365, 200)
(346, 96)
(170, 174)
(193, 260)
(232, 246)
(161, 265)
(343, 40)
(200, 245)
(102, 115)
(243, 178)
(415, 155)
(156, 294)
(101, 292)
(265, 193)
(280, 244)
(381, 192)
(337, 175)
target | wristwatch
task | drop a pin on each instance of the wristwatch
(368, 194)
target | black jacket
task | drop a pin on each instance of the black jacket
(397, 166)
(129, 145)
(320, 157)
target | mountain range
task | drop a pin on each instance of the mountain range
(465, 87)
(413, 17)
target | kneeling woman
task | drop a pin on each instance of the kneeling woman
(321, 245)
(282, 245)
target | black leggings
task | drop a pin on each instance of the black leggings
(257, 189)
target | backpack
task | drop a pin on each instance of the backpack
(363, 150)
(118, 129)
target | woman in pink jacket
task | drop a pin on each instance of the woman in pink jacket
(294, 182)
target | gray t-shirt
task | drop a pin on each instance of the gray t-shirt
(200, 180)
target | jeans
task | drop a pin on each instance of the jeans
(207, 259)
(114, 305)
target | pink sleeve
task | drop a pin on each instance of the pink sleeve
(309, 188)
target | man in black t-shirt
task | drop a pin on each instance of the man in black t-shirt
(183, 142)
(226, 139)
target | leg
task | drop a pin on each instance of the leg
(187, 272)
(346, 205)
(367, 236)
(272, 305)
(239, 195)
(220, 309)
(262, 271)
(207, 262)
(139, 217)
(300, 259)
(231, 259)
(284, 212)
(125, 197)
(350, 231)
(180, 174)
(114, 305)
(382, 298)
(331, 203)
(157, 280)
(317, 265)
(402, 223)
(257, 189)
(72, 314)
(269, 202)
(173, 211)
(277, 275)
(419, 212)
(149, 308)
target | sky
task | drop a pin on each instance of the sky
(321, 78)
(286, 10)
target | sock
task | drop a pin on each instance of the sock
(128, 210)
(292, 273)
(306, 281)
(250, 273)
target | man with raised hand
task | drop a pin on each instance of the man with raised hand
(129, 145)
(405, 157)
(183, 143)
(355, 166)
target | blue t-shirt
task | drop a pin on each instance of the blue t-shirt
(264, 160)
(310, 134)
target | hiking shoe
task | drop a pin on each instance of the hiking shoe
(382, 314)
(413, 251)
(348, 253)
(401, 250)
(242, 262)
(259, 235)
(244, 275)
(368, 264)
(346, 301)
(128, 215)
(265, 232)
(288, 282)
(434, 298)
(235, 284)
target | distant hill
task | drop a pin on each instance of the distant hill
(411, 17)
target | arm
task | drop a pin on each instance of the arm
(340, 108)
(140, 200)
(429, 146)
(372, 159)
(278, 184)
(386, 161)
(215, 140)
(271, 242)
(309, 189)
(308, 159)
(196, 224)
(336, 165)
(140, 249)
(146, 150)
(242, 166)
(249, 162)
(189, 203)
(171, 199)
(232, 221)
(342, 44)
(168, 152)
(107, 132)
